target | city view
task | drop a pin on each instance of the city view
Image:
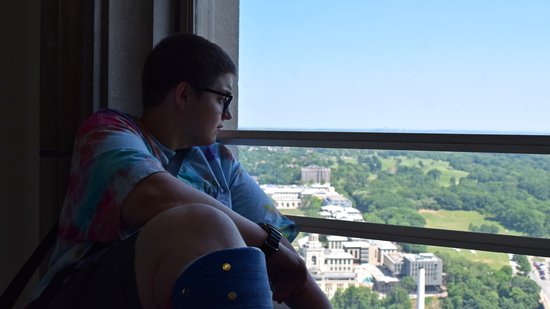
(487, 193)
(439, 67)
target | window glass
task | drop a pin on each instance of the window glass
(458, 66)
(477, 192)
(387, 275)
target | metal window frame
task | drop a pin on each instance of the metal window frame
(487, 143)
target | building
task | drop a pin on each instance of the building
(315, 174)
(284, 197)
(318, 190)
(394, 262)
(406, 264)
(336, 199)
(384, 247)
(332, 269)
(330, 283)
(433, 267)
(339, 261)
(313, 253)
(336, 242)
(290, 196)
(383, 283)
(341, 213)
(362, 251)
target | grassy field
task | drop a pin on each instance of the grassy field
(493, 259)
(460, 220)
(292, 212)
(447, 172)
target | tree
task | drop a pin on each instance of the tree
(356, 298)
(413, 248)
(476, 285)
(311, 205)
(408, 284)
(449, 200)
(435, 174)
(400, 216)
(483, 228)
(398, 298)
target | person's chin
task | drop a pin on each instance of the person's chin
(208, 141)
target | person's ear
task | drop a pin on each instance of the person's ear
(182, 94)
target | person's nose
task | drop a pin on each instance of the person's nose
(227, 115)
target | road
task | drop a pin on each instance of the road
(544, 284)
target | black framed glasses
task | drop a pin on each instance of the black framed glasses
(226, 97)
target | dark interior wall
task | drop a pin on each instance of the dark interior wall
(19, 113)
(60, 60)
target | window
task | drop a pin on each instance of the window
(533, 48)
(434, 79)
(399, 66)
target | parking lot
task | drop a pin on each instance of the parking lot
(540, 269)
(539, 274)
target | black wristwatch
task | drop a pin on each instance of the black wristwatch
(271, 244)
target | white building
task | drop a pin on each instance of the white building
(337, 200)
(338, 260)
(365, 250)
(341, 213)
(284, 197)
(332, 269)
(336, 242)
(406, 264)
(383, 283)
(384, 247)
(313, 253)
(394, 262)
(290, 196)
(433, 267)
(360, 250)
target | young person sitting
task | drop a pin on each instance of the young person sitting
(159, 215)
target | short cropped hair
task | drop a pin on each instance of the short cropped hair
(182, 57)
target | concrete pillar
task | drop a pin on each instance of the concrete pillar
(218, 21)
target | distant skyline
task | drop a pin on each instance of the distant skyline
(397, 65)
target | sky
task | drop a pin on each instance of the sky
(462, 66)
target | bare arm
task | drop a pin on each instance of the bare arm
(287, 271)
(162, 191)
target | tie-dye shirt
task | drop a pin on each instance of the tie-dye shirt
(112, 153)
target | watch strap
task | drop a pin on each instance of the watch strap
(271, 244)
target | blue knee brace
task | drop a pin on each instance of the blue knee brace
(231, 278)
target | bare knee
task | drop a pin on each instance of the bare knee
(192, 224)
(173, 239)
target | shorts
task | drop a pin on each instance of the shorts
(230, 278)
(104, 279)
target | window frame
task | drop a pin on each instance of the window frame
(526, 144)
